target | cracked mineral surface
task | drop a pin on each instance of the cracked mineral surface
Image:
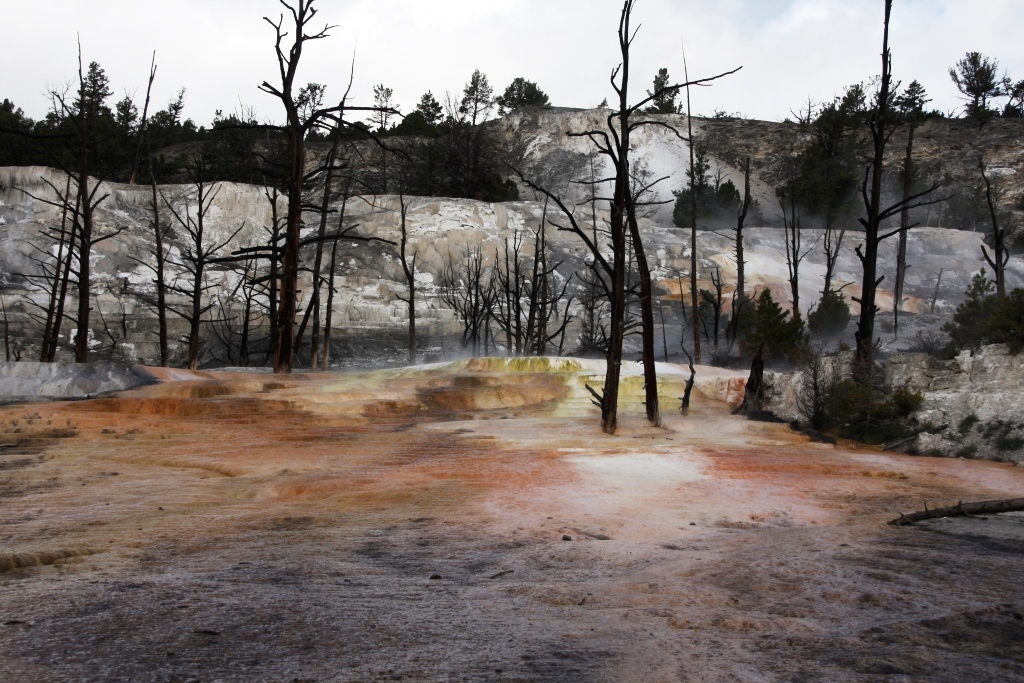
(469, 522)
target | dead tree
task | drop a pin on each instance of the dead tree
(409, 269)
(613, 141)
(58, 284)
(641, 187)
(987, 507)
(512, 292)
(467, 286)
(741, 218)
(300, 120)
(58, 277)
(118, 337)
(314, 303)
(883, 123)
(694, 289)
(684, 400)
(832, 244)
(1000, 255)
(88, 109)
(158, 233)
(82, 114)
(196, 255)
(714, 301)
(753, 391)
(325, 357)
(7, 333)
(795, 253)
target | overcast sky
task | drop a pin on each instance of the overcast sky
(220, 50)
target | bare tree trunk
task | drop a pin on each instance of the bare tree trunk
(275, 279)
(664, 335)
(684, 406)
(7, 332)
(741, 218)
(58, 316)
(865, 335)
(329, 315)
(987, 507)
(55, 289)
(314, 302)
(84, 252)
(284, 335)
(832, 243)
(1000, 255)
(694, 291)
(647, 319)
(791, 225)
(161, 285)
(901, 248)
(935, 294)
(409, 268)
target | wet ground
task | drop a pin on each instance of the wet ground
(471, 523)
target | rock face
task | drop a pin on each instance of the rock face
(976, 394)
(27, 381)
(946, 151)
(972, 405)
(369, 306)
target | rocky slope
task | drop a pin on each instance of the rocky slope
(946, 151)
(368, 307)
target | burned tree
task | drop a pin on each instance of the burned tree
(911, 105)
(468, 287)
(529, 294)
(300, 120)
(883, 122)
(78, 124)
(1000, 255)
(409, 270)
(613, 141)
(196, 254)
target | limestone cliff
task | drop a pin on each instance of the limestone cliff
(368, 306)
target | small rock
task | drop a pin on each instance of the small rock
(566, 537)
(435, 577)
(693, 523)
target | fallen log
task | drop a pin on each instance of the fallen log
(986, 507)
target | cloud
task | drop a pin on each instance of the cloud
(790, 49)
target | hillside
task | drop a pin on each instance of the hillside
(369, 314)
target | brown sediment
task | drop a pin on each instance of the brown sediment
(410, 524)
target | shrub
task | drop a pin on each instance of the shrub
(968, 423)
(820, 377)
(934, 343)
(873, 414)
(986, 318)
(831, 317)
(967, 452)
(1004, 435)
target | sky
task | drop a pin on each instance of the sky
(791, 51)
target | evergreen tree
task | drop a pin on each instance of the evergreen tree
(423, 120)
(477, 98)
(430, 109)
(521, 93)
(717, 198)
(977, 79)
(15, 149)
(783, 335)
(664, 101)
